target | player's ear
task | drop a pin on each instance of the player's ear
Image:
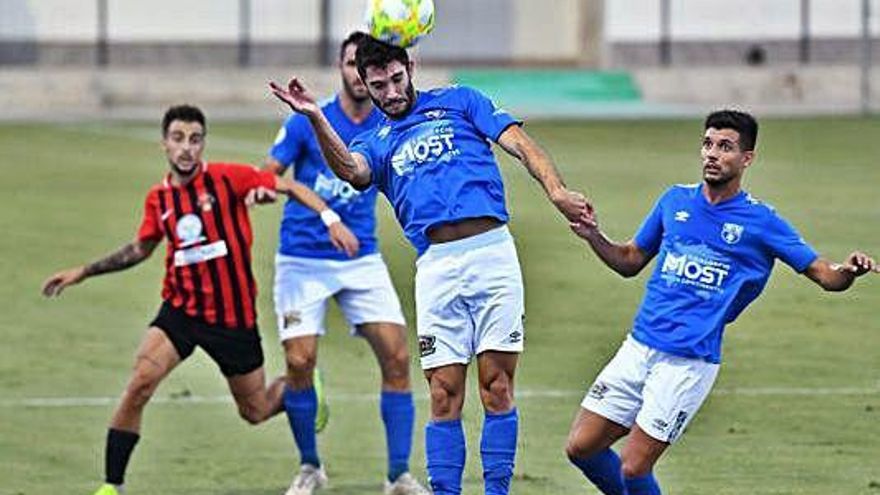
(749, 158)
(410, 67)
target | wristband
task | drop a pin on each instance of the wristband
(329, 217)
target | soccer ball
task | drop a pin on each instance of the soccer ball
(400, 22)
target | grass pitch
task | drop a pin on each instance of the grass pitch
(795, 411)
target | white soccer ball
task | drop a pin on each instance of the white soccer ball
(400, 22)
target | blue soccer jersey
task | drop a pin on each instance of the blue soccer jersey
(302, 232)
(436, 165)
(713, 260)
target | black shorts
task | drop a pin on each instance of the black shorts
(236, 351)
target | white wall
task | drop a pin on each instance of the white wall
(48, 20)
(548, 29)
(530, 29)
(158, 20)
(719, 20)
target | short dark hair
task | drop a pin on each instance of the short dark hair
(184, 113)
(741, 122)
(374, 53)
(355, 38)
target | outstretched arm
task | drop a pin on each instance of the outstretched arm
(840, 276)
(125, 257)
(340, 235)
(626, 259)
(520, 145)
(350, 167)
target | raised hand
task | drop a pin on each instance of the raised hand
(343, 239)
(857, 263)
(296, 96)
(57, 282)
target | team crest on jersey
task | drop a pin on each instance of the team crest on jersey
(427, 345)
(206, 202)
(189, 230)
(383, 132)
(292, 318)
(598, 390)
(435, 114)
(731, 233)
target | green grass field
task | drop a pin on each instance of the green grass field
(795, 411)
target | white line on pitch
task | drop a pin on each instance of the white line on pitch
(371, 397)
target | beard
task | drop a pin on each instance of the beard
(183, 174)
(410, 97)
(357, 97)
(718, 181)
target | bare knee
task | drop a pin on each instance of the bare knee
(300, 366)
(496, 393)
(575, 449)
(252, 415)
(634, 467)
(447, 397)
(395, 370)
(140, 388)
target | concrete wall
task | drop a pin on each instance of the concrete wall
(720, 32)
(162, 32)
(143, 93)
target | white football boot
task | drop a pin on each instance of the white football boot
(309, 479)
(405, 484)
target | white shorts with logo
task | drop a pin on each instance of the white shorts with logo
(361, 287)
(658, 391)
(469, 299)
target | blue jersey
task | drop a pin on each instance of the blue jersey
(436, 165)
(302, 232)
(713, 260)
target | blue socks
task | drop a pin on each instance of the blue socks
(498, 450)
(398, 414)
(603, 469)
(643, 485)
(302, 407)
(445, 452)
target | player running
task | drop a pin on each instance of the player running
(209, 293)
(432, 158)
(309, 271)
(716, 246)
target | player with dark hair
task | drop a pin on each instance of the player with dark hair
(209, 292)
(431, 156)
(716, 246)
(309, 271)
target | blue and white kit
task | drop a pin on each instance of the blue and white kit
(309, 269)
(436, 166)
(712, 262)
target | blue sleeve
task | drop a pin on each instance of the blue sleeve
(361, 145)
(650, 233)
(785, 243)
(490, 120)
(288, 145)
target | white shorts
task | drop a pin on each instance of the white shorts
(658, 391)
(469, 299)
(361, 287)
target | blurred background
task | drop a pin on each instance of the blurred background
(581, 58)
(615, 90)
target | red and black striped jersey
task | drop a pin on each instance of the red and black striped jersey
(208, 263)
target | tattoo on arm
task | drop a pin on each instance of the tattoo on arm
(125, 257)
